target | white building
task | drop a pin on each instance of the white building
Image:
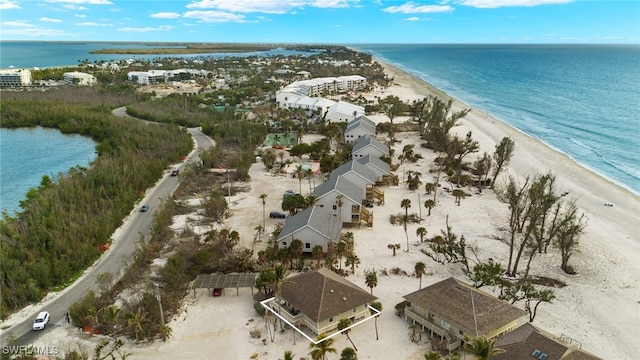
(343, 111)
(79, 78)
(15, 77)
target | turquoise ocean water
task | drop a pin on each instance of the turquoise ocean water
(582, 100)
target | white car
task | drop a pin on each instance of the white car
(41, 321)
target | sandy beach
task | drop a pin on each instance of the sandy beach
(600, 307)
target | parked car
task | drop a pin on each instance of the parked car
(144, 208)
(41, 320)
(289, 193)
(217, 292)
(277, 215)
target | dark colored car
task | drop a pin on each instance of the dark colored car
(217, 292)
(277, 215)
(144, 208)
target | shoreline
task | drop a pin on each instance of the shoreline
(424, 88)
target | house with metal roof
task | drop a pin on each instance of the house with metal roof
(316, 301)
(364, 178)
(527, 342)
(359, 127)
(344, 199)
(369, 146)
(377, 166)
(313, 226)
(343, 111)
(451, 310)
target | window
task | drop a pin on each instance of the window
(446, 325)
(284, 243)
(536, 353)
(330, 319)
(543, 356)
(307, 245)
(335, 207)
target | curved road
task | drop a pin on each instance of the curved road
(124, 243)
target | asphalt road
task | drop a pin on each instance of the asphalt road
(124, 243)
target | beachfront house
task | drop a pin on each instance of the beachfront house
(15, 77)
(369, 146)
(364, 178)
(313, 226)
(316, 301)
(359, 127)
(379, 168)
(79, 78)
(527, 342)
(344, 199)
(343, 111)
(450, 310)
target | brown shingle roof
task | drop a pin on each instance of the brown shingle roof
(521, 343)
(322, 294)
(473, 311)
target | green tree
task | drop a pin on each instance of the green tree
(269, 159)
(343, 324)
(288, 355)
(135, 320)
(341, 250)
(321, 347)
(393, 247)
(405, 204)
(421, 232)
(352, 261)
(429, 204)
(482, 348)
(420, 270)
(348, 354)
(371, 279)
(318, 253)
(502, 156)
(458, 194)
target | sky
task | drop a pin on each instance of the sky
(323, 21)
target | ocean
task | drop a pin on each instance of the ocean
(582, 100)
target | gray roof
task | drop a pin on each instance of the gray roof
(356, 167)
(362, 122)
(363, 142)
(316, 218)
(343, 186)
(473, 311)
(322, 294)
(370, 160)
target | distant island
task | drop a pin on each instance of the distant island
(191, 49)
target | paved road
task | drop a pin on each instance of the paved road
(125, 240)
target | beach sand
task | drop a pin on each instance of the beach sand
(599, 309)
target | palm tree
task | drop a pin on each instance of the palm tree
(458, 194)
(405, 204)
(309, 174)
(432, 355)
(378, 306)
(420, 270)
(371, 279)
(295, 249)
(341, 250)
(344, 324)
(111, 315)
(300, 175)
(393, 247)
(405, 220)
(330, 262)
(348, 354)
(422, 232)
(321, 347)
(278, 273)
(134, 322)
(264, 221)
(318, 253)
(353, 261)
(429, 204)
(483, 348)
(288, 355)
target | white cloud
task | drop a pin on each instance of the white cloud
(88, 23)
(214, 16)
(7, 5)
(46, 19)
(147, 29)
(80, 15)
(74, 7)
(25, 29)
(413, 18)
(268, 6)
(413, 8)
(165, 15)
(487, 4)
(88, 2)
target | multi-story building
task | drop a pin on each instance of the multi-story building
(15, 77)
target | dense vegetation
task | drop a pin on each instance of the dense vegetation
(65, 220)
